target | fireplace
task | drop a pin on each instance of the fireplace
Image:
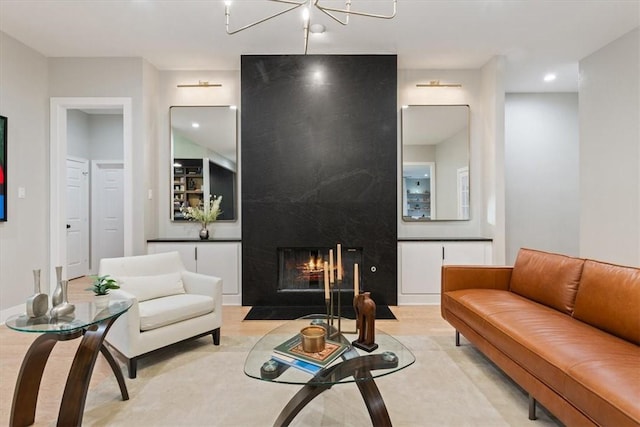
(302, 269)
(319, 167)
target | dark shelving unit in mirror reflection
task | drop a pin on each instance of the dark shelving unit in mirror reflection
(188, 185)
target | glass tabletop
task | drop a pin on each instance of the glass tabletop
(351, 365)
(84, 315)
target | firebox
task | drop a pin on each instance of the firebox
(302, 269)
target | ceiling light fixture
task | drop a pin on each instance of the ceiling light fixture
(436, 83)
(202, 84)
(329, 11)
(549, 77)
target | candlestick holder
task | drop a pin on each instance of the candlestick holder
(334, 315)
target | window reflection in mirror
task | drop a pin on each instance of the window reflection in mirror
(204, 158)
(435, 162)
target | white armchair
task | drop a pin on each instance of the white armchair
(171, 304)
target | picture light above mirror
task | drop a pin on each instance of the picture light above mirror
(204, 157)
(435, 163)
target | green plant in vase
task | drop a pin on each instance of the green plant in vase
(204, 216)
(101, 286)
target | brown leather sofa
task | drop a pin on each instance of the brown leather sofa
(567, 330)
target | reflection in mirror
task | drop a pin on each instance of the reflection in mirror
(204, 156)
(435, 162)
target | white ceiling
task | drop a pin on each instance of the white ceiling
(535, 36)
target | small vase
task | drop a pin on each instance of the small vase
(56, 296)
(64, 308)
(38, 303)
(204, 233)
(101, 301)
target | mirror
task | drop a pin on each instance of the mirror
(435, 163)
(204, 158)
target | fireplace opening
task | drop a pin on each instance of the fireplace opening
(302, 269)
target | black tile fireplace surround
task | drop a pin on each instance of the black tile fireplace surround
(319, 167)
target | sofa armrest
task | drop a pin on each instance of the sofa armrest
(202, 284)
(456, 277)
(124, 333)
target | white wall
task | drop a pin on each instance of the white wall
(78, 134)
(105, 137)
(23, 238)
(610, 152)
(171, 95)
(542, 173)
(94, 136)
(451, 155)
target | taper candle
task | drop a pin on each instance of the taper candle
(356, 279)
(331, 266)
(339, 261)
(326, 280)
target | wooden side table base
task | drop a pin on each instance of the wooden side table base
(25, 396)
(359, 367)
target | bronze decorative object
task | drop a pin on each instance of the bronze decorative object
(365, 317)
(313, 338)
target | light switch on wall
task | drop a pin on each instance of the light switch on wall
(22, 193)
(150, 194)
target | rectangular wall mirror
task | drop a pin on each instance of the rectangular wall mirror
(204, 158)
(435, 163)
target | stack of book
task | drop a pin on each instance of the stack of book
(291, 353)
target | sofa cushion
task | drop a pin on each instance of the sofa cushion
(150, 287)
(609, 299)
(608, 385)
(550, 279)
(158, 312)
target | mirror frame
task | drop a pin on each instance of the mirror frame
(402, 157)
(172, 158)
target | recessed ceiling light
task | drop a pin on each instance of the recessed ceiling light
(317, 28)
(195, 125)
(549, 77)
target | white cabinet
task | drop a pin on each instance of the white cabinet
(420, 264)
(221, 259)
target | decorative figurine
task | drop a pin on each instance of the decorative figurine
(366, 318)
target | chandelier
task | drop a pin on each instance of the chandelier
(341, 16)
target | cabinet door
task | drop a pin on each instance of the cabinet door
(420, 267)
(465, 253)
(187, 252)
(221, 260)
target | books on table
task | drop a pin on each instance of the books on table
(297, 363)
(291, 353)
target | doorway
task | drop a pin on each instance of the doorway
(60, 108)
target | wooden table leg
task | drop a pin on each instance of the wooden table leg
(375, 404)
(25, 396)
(75, 391)
(116, 371)
(358, 367)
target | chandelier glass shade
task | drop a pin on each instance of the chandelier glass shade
(340, 16)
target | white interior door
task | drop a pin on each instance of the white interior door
(107, 211)
(77, 217)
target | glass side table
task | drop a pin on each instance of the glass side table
(88, 322)
(353, 366)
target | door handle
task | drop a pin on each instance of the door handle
(68, 226)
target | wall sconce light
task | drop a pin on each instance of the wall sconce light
(202, 84)
(436, 83)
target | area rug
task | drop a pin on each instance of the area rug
(295, 312)
(198, 384)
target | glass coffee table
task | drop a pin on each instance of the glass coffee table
(90, 323)
(352, 366)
